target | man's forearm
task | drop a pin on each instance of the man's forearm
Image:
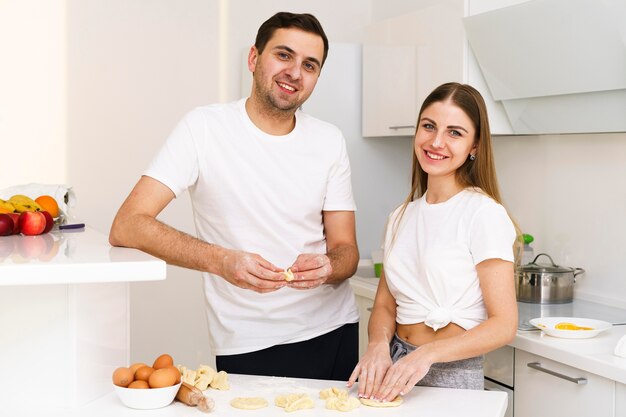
(344, 260)
(165, 242)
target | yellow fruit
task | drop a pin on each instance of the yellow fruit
(48, 204)
(23, 203)
(6, 207)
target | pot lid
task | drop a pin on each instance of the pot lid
(534, 266)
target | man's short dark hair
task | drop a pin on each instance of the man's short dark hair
(283, 20)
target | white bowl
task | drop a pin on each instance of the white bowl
(147, 399)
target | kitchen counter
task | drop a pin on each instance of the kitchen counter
(64, 315)
(422, 401)
(72, 257)
(593, 355)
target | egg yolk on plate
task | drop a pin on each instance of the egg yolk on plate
(571, 326)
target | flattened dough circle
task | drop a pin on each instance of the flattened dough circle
(248, 403)
(371, 403)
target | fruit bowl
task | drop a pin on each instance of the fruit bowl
(147, 399)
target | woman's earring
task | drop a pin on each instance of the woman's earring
(472, 157)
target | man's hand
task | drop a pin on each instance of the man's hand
(251, 271)
(310, 270)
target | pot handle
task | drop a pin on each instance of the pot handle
(544, 254)
(578, 271)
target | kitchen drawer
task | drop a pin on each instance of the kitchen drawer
(539, 393)
(499, 365)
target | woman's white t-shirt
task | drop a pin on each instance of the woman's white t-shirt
(262, 194)
(430, 269)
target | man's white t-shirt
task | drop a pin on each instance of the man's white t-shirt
(262, 194)
(430, 268)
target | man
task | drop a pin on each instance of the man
(271, 194)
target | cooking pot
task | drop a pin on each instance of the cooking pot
(545, 283)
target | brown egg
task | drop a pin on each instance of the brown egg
(177, 372)
(164, 377)
(139, 385)
(133, 368)
(163, 361)
(143, 373)
(122, 377)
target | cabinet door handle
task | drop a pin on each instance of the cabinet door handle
(537, 366)
(370, 309)
(402, 127)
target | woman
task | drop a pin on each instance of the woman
(447, 293)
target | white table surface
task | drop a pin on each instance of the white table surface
(73, 257)
(421, 401)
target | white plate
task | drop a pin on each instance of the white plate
(546, 325)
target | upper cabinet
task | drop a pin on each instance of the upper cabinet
(556, 66)
(406, 57)
(542, 66)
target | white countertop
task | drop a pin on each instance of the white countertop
(422, 401)
(73, 257)
(593, 355)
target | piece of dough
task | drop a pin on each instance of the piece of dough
(220, 381)
(371, 403)
(248, 403)
(340, 404)
(300, 404)
(294, 402)
(288, 275)
(284, 400)
(333, 392)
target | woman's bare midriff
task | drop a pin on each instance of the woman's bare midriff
(419, 334)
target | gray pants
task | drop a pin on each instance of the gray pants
(464, 374)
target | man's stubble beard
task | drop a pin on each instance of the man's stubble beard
(270, 104)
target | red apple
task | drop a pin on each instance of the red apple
(16, 222)
(49, 221)
(6, 224)
(32, 223)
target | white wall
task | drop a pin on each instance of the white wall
(569, 192)
(32, 92)
(134, 69)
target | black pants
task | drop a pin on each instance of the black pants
(330, 356)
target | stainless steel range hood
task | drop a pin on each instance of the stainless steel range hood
(557, 66)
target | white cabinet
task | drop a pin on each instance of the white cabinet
(364, 304)
(389, 102)
(406, 57)
(545, 388)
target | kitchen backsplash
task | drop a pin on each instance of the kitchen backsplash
(568, 191)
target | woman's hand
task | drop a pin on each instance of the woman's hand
(402, 376)
(371, 369)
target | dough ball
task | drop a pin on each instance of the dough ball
(288, 275)
(248, 403)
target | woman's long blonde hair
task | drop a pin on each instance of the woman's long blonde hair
(479, 173)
